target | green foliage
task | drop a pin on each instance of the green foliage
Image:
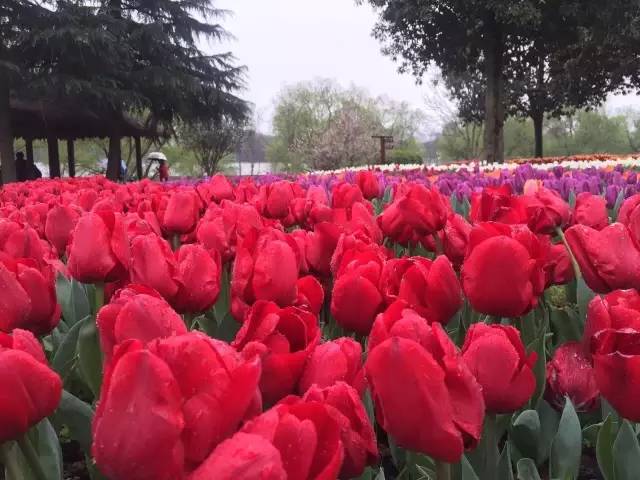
(583, 133)
(408, 152)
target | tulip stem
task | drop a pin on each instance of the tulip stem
(491, 446)
(99, 289)
(574, 263)
(438, 244)
(443, 470)
(175, 242)
(31, 456)
(9, 464)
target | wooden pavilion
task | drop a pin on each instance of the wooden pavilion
(54, 122)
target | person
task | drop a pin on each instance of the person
(163, 170)
(21, 170)
(26, 169)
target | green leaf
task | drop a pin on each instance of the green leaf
(65, 355)
(398, 454)
(539, 369)
(527, 470)
(549, 420)
(368, 406)
(380, 475)
(45, 441)
(467, 470)
(209, 325)
(566, 325)
(90, 355)
(572, 199)
(617, 205)
(505, 472)
(626, 454)
(526, 433)
(73, 300)
(566, 450)
(77, 416)
(585, 295)
(604, 449)
(227, 328)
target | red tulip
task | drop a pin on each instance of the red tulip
(153, 264)
(570, 374)
(310, 294)
(61, 220)
(320, 246)
(220, 188)
(609, 259)
(181, 213)
(266, 268)
(223, 227)
(335, 361)
(429, 287)
(417, 382)
(276, 199)
(591, 211)
(31, 389)
(307, 436)
(368, 184)
(558, 265)
(243, 456)
(22, 241)
(618, 310)
(616, 361)
(419, 212)
(497, 204)
(344, 195)
(497, 358)
(185, 394)
(545, 210)
(456, 238)
(99, 249)
(356, 431)
(399, 320)
(503, 273)
(629, 216)
(356, 297)
(29, 298)
(288, 336)
(136, 312)
(198, 279)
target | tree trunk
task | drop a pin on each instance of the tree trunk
(7, 159)
(538, 119)
(114, 157)
(538, 110)
(54, 157)
(494, 101)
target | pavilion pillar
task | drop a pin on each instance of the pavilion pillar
(71, 157)
(29, 149)
(54, 157)
(114, 157)
(7, 159)
(138, 157)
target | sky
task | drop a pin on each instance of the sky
(283, 42)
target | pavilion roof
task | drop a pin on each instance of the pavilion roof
(38, 120)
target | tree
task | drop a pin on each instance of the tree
(211, 142)
(116, 56)
(515, 58)
(320, 125)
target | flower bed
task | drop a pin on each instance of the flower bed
(372, 324)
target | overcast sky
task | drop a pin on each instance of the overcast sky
(286, 41)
